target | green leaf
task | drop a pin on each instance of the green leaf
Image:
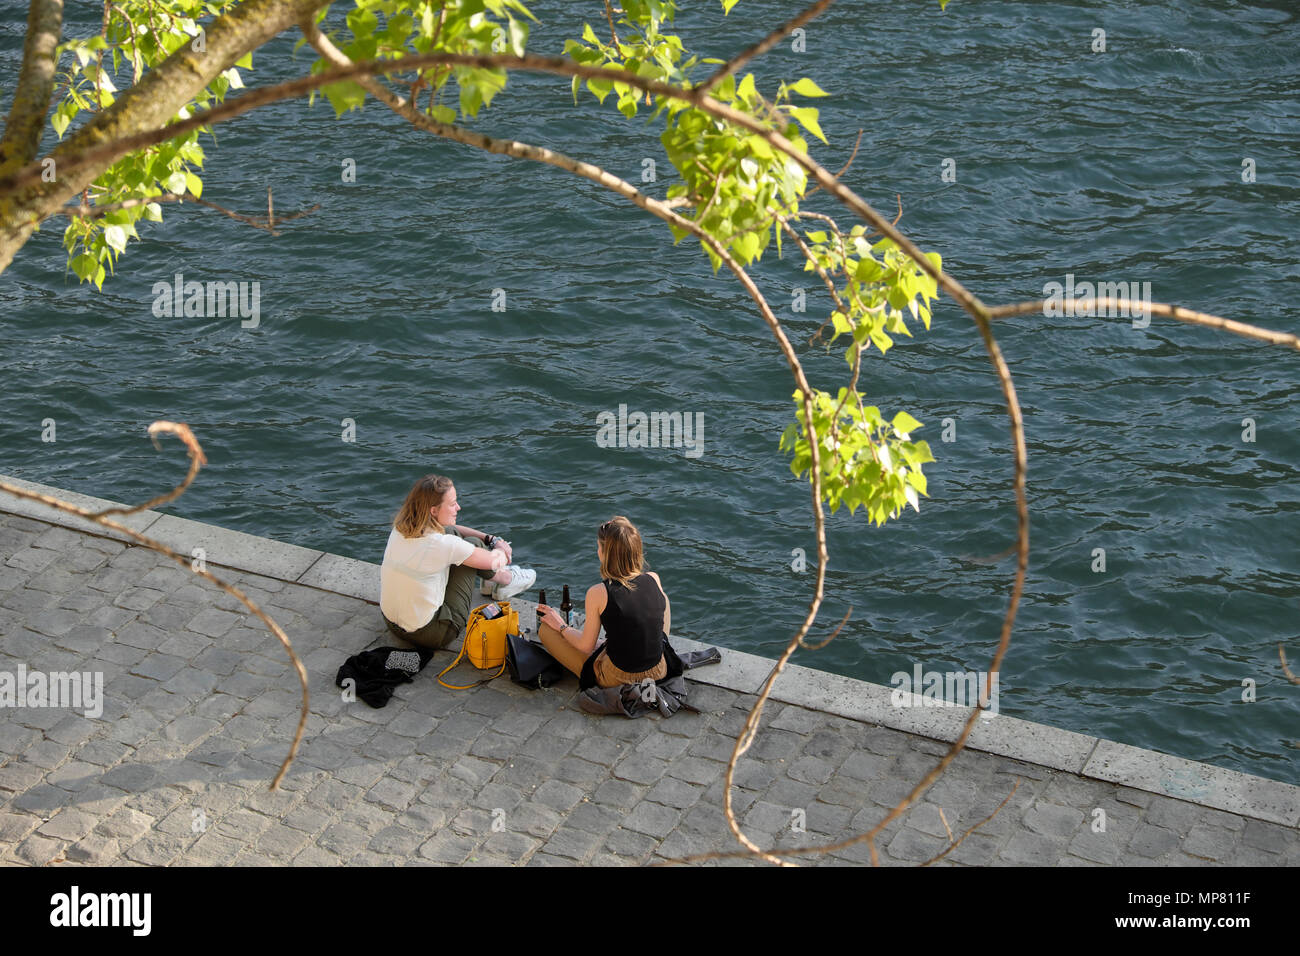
(807, 117)
(84, 266)
(115, 236)
(344, 96)
(193, 184)
(806, 87)
(747, 91)
(905, 423)
(61, 118)
(362, 22)
(518, 37)
(176, 182)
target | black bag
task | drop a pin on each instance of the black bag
(531, 665)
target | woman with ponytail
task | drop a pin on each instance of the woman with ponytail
(629, 602)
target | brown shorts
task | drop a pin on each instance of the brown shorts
(607, 675)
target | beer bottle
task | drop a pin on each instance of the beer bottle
(566, 605)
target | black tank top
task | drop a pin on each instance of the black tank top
(634, 624)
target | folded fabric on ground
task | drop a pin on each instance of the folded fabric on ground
(666, 696)
(379, 671)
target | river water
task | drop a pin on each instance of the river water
(1123, 165)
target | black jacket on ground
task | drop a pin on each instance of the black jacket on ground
(379, 671)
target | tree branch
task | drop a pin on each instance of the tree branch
(197, 459)
(1133, 306)
(86, 211)
(763, 45)
(145, 107)
(657, 208)
(26, 121)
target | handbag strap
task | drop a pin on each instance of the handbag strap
(474, 683)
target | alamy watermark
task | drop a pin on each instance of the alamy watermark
(207, 300)
(1060, 300)
(654, 430)
(72, 689)
(923, 688)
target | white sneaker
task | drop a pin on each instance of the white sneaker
(521, 579)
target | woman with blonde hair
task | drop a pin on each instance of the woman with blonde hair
(431, 565)
(629, 602)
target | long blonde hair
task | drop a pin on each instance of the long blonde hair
(622, 556)
(415, 517)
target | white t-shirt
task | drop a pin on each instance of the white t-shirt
(413, 577)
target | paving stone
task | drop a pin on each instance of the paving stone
(510, 846)
(630, 845)
(914, 846)
(74, 776)
(594, 817)
(95, 850)
(663, 746)
(396, 840)
(392, 794)
(38, 850)
(1268, 837)
(535, 819)
(1053, 821)
(640, 768)
(599, 750)
(156, 850)
(524, 773)
(619, 794)
(498, 798)
(1151, 841)
(494, 746)
(674, 793)
(17, 776)
(557, 795)
(15, 826)
(126, 826)
(213, 622)
(548, 747)
(652, 819)
(572, 843)
(47, 754)
(811, 770)
(448, 847)
(1033, 849)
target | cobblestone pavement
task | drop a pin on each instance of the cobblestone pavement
(200, 705)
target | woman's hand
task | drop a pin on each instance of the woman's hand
(499, 559)
(550, 616)
(501, 544)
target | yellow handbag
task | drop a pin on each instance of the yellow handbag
(485, 642)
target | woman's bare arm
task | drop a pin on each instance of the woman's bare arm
(668, 608)
(484, 560)
(586, 640)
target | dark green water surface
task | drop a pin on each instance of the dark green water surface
(378, 307)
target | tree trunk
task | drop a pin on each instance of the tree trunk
(150, 104)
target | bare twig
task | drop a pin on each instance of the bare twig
(86, 211)
(1114, 304)
(936, 858)
(197, 459)
(1285, 669)
(609, 16)
(763, 45)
